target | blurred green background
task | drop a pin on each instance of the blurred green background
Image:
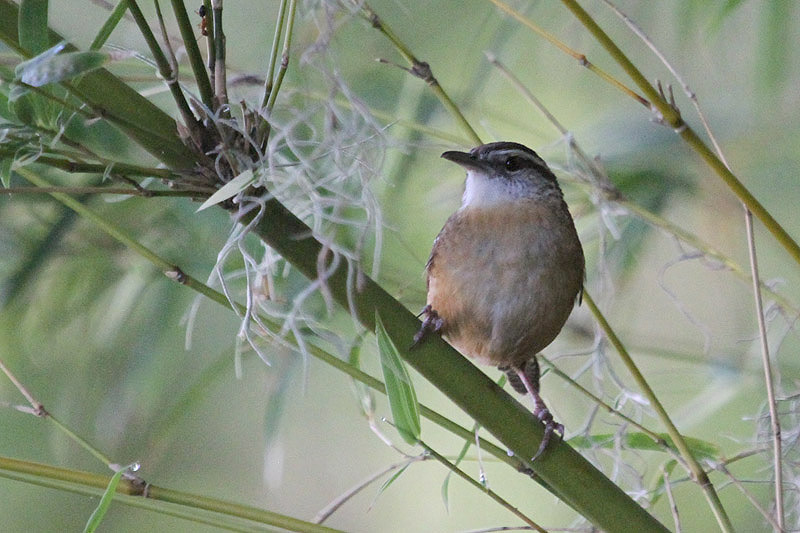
(100, 337)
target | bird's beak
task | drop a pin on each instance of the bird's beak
(466, 160)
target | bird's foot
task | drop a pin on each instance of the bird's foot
(550, 427)
(526, 379)
(432, 323)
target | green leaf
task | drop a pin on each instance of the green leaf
(230, 189)
(105, 501)
(702, 450)
(388, 483)
(5, 171)
(364, 394)
(446, 483)
(111, 23)
(402, 398)
(32, 25)
(659, 488)
(41, 71)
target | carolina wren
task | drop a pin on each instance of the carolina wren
(507, 267)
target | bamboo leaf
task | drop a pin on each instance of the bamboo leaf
(111, 23)
(659, 488)
(701, 449)
(41, 71)
(5, 171)
(399, 389)
(230, 189)
(32, 25)
(388, 483)
(105, 502)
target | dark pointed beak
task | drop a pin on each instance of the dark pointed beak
(466, 160)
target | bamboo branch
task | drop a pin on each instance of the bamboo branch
(672, 117)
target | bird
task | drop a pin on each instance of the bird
(506, 269)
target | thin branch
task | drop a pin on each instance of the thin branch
(486, 490)
(38, 408)
(175, 273)
(673, 507)
(220, 71)
(145, 193)
(670, 116)
(698, 474)
(581, 58)
(777, 446)
(169, 74)
(269, 79)
(767, 515)
(420, 69)
(343, 498)
(755, 278)
(40, 411)
(287, 44)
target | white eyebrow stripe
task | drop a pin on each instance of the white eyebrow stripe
(521, 153)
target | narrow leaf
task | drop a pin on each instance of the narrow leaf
(62, 67)
(402, 397)
(659, 489)
(702, 450)
(230, 189)
(111, 23)
(32, 25)
(105, 502)
(5, 171)
(387, 483)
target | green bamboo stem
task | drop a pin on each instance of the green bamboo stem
(146, 193)
(287, 45)
(269, 79)
(152, 497)
(210, 46)
(698, 474)
(169, 74)
(193, 52)
(220, 70)
(99, 168)
(772, 402)
(672, 117)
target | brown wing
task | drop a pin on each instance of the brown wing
(437, 242)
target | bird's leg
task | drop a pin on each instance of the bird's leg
(526, 379)
(432, 323)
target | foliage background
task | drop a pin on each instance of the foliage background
(99, 336)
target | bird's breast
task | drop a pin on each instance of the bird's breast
(504, 279)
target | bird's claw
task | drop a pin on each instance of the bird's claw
(550, 427)
(432, 323)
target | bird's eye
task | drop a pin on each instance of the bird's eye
(513, 163)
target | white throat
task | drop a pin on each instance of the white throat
(481, 191)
